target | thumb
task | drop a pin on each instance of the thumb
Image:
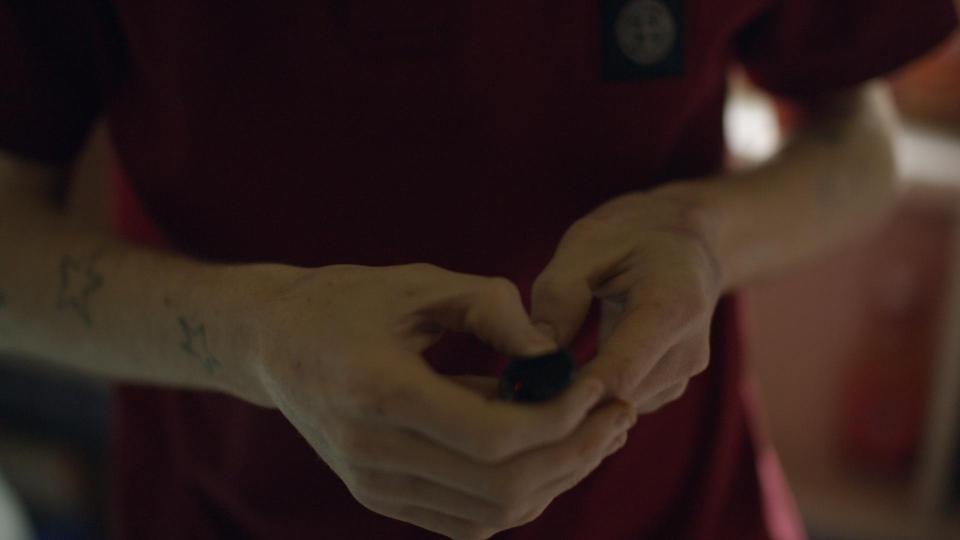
(559, 305)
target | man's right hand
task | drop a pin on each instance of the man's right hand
(339, 353)
(336, 349)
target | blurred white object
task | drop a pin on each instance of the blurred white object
(750, 124)
(13, 520)
(928, 154)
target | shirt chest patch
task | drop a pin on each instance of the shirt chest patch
(641, 39)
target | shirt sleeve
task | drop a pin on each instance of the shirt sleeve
(56, 66)
(801, 48)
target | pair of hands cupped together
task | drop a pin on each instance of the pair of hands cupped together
(339, 353)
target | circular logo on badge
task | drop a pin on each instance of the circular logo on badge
(645, 31)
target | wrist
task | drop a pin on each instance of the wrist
(700, 216)
(242, 294)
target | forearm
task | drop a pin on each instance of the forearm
(831, 182)
(92, 302)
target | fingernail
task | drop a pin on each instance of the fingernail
(538, 344)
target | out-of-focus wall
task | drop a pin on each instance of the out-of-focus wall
(858, 353)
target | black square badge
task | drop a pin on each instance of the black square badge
(642, 39)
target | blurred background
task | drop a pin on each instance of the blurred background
(856, 355)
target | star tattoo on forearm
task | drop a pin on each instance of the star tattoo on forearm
(79, 280)
(195, 344)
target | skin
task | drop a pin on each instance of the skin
(338, 349)
(660, 260)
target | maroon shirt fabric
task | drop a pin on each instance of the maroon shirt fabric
(377, 132)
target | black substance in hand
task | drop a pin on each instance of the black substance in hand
(537, 378)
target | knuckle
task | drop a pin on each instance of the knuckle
(512, 495)
(697, 301)
(366, 498)
(588, 450)
(364, 485)
(653, 405)
(566, 424)
(695, 298)
(368, 401)
(580, 450)
(533, 514)
(683, 306)
(670, 305)
(358, 447)
(671, 394)
(359, 393)
(700, 363)
(677, 391)
(488, 486)
(689, 308)
(547, 286)
(501, 289)
(485, 450)
(423, 267)
(668, 396)
(693, 363)
(622, 374)
(705, 352)
(377, 400)
(587, 228)
(493, 449)
(508, 490)
(507, 516)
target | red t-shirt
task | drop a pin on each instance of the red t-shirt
(378, 132)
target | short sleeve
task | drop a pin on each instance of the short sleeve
(57, 63)
(801, 48)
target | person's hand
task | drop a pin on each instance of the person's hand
(647, 258)
(340, 355)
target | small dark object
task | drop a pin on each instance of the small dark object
(537, 378)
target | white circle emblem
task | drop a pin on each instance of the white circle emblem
(645, 31)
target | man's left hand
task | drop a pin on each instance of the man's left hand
(648, 258)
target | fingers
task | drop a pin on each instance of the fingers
(578, 455)
(610, 314)
(667, 380)
(589, 254)
(669, 395)
(459, 418)
(394, 469)
(391, 487)
(409, 491)
(571, 480)
(403, 452)
(559, 305)
(636, 329)
(488, 307)
(630, 352)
